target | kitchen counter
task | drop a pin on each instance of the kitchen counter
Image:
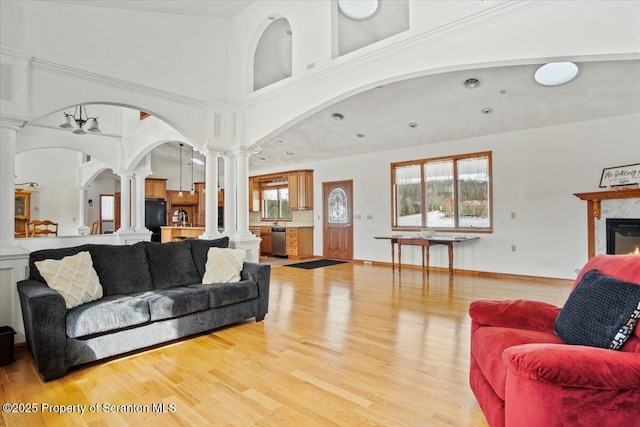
(173, 233)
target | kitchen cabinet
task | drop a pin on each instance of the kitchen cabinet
(265, 244)
(202, 205)
(301, 190)
(299, 242)
(22, 212)
(186, 198)
(155, 188)
(254, 195)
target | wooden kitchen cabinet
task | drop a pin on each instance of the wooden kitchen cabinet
(299, 242)
(254, 195)
(155, 188)
(202, 205)
(265, 244)
(301, 190)
(22, 212)
(187, 198)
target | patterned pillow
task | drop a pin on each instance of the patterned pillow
(223, 265)
(73, 277)
(600, 312)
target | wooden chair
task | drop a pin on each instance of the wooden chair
(39, 228)
(95, 227)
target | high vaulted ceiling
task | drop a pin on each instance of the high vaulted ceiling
(443, 110)
(213, 9)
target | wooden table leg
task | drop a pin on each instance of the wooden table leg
(422, 246)
(393, 257)
(399, 257)
(428, 247)
(450, 245)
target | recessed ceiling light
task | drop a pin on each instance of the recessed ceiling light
(289, 153)
(413, 125)
(487, 110)
(337, 116)
(360, 135)
(503, 91)
(262, 158)
(556, 73)
(359, 9)
(472, 83)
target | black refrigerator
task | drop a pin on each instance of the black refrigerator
(155, 216)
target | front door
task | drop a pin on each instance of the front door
(337, 230)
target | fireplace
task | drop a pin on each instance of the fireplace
(623, 235)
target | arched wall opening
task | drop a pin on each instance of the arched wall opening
(272, 60)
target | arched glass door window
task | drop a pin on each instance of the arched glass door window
(338, 212)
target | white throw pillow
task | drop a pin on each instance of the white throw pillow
(223, 265)
(73, 277)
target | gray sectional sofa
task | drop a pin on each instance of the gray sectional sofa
(152, 293)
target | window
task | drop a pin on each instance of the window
(448, 193)
(275, 203)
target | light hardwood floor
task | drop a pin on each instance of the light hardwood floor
(347, 345)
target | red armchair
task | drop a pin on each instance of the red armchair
(522, 374)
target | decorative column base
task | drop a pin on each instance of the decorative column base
(249, 243)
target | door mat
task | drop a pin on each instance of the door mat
(315, 264)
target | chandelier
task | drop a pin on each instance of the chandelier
(82, 120)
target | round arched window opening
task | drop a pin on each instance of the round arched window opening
(556, 73)
(359, 9)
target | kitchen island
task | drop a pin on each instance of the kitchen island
(173, 233)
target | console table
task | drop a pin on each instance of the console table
(425, 243)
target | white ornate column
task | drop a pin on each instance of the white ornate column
(8, 135)
(125, 202)
(82, 212)
(243, 238)
(211, 196)
(138, 198)
(229, 194)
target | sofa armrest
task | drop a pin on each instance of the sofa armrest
(575, 366)
(519, 314)
(44, 312)
(261, 275)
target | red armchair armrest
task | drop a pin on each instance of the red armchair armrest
(519, 314)
(575, 366)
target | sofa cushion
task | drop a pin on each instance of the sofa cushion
(43, 254)
(171, 264)
(221, 294)
(107, 314)
(175, 302)
(600, 312)
(73, 277)
(200, 249)
(223, 265)
(123, 269)
(488, 343)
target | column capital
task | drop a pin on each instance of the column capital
(211, 151)
(124, 173)
(13, 122)
(240, 152)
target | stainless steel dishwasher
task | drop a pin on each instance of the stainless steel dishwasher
(279, 241)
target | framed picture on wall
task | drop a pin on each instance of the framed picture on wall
(620, 175)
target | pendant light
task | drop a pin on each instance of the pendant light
(80, 120)
(180, 193)
(193, 189)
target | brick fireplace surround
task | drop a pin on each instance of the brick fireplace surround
(594, 209)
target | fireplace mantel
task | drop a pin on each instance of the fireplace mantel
(594, 211)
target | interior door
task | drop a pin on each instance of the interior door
(337, 230)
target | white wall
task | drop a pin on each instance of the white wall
(55, 171)
(178, 53)
(535, 174)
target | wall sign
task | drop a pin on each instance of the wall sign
(620, 175)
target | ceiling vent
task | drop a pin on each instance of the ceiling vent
(472, 83)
